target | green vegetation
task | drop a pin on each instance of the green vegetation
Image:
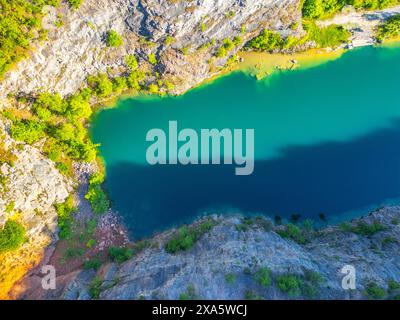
(289, 284)
(11, 236)
(75, 3)
(227, 45)
(374, 292)
(120, 254)
(389, 29)
(393, 285)
(92, 264)
(263, 277)
(293, 232)
(169, 40)
(330, 36)
(18, 22)
(101, 85)
(29, 131)
(230, 278)
(152, 59)
(95, 287)
(131, 62)
(113, 39)
(320, 9)
(190, 294)
(186, 237)
(266, 41)
(64, 213)
(96, 195)
(251, 295)
(363, 228)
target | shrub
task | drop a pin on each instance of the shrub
(266, 41)
(29, 131)
(289, 284)
(131, 62)
(374, 292)
(101, 85)
(190, 294)
(389, 29)
(97, 198)
(113, 39)
(78, 107)
(363, 228)
(64, 215)
(92, 264)
(75, 3)
(95, 287)
(152, 59)
(186, 237)
(48, 101)
(120, 254)
(11, 236)
(262, 277)
(393, 285)
(230, 278)
(293, 232)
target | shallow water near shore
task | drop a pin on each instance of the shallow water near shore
(326, 141)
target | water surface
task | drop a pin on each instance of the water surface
(326, 141)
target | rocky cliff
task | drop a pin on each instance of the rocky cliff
(78, 49)
(225, 264)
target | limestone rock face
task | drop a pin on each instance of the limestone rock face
(30, 187)
(77, 49)
(155, 274)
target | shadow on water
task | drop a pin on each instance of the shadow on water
(332, 178)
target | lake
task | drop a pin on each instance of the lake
(326, 141)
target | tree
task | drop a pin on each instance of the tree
(28, 131)
(113, 39)
(101, 85)
(11, 236)
(131, 62)
(152, 59)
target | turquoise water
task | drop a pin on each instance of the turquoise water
(326, 141)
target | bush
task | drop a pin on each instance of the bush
(389, 29)
(95, 288)
(262, 277)
(186, 237)
(113, 39)
(75, 3)
(11, 236)
(152, 59)
(97, 198)
(289, 284)
(230, 278)
(266, 41)
(293, 232)
(64, 214)
(92, 264)
(51, 102)
(29, 131)
(131, 62)
(101, 85)
(374, 292)
(363, 228)
(120, 254)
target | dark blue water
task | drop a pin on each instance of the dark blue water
(337, 154)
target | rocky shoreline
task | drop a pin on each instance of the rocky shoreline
(244, 246)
